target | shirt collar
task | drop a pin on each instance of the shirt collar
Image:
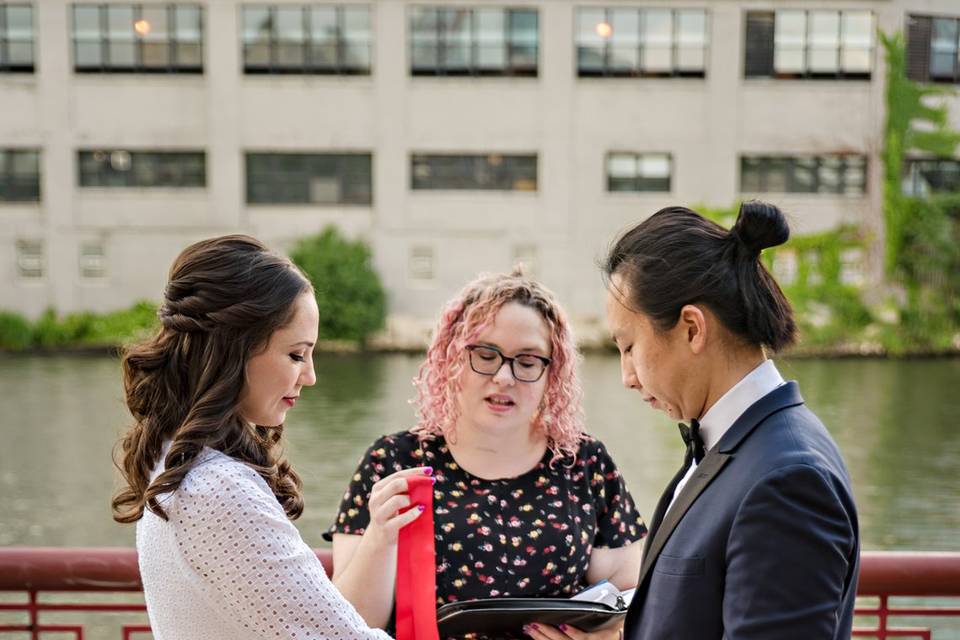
(731, 405)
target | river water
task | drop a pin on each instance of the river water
(895, 421)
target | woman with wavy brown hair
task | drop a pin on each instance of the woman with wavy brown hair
(207, 484)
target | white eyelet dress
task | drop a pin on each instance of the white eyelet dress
(230, 565)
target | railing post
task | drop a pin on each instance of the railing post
(34, 617)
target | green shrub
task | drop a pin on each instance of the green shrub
(15, 331)
(349, 292)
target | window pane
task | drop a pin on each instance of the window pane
(256, 36)
(691, 40)
(120, 21)
(751, 175)
(86, 21)
(654, 166)
(457, 38)
(290, 34)
(622, 165)
(777, 175)
(356, 30)
(188, 23)
(943, 48)
(324, 34)
(657, 40)
(19, 22)
(88, 54)
(624, 40)
(20, 53)
(591, 25)
(491, 40)
(829, 174)
(424, 32)
(155, 47)
(789, 41)
(857, 29)
(804, 178)
(523, 38)
(824, 41)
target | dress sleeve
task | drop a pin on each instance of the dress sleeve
(618, 521)
(235, 536)
(380, 460)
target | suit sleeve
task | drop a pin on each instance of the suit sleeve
(789, 557)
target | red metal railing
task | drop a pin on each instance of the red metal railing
(39, 571)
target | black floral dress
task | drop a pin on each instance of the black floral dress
(529, 536)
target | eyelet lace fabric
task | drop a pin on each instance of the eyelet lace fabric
(229, 564)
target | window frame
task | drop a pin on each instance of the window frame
(342, 174)
(638, 178)
(13, 183)
(108, 176)
(911, 177)
(475, 166)
(767, 69)
(310, 65)
(474, 67)
(640, 71)
(6, 66)
(768, 163)
(138, 42)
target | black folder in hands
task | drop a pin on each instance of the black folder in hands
(596, 608)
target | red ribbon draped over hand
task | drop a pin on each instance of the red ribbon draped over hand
(417, 568)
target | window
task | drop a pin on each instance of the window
(641, 42)
(16, 38)
(133, 38)
(933, 49)
(924, 177)
(321, 39)
(122, 168)
(838, 174)
(638, 172)
(421, 265)
(479, 172)
(30, 262)
(309, 178)
(93, 261)
(19, 175)
(786, 266)
(491, 42)
(809, 44)
(852, 270)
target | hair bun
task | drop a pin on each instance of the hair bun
(760, 225)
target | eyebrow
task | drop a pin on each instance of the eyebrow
(305, 343)
(524, 350)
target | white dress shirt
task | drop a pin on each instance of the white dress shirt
(731, 405)
(229, 564)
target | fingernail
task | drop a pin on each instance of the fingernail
(535, 627)
(562, 627)
(427, 471)
(526, 628)
(420, 508)
(433, 480)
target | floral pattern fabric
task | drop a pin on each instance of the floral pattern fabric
(529, 536)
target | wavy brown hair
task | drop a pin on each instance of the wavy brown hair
(224, 299)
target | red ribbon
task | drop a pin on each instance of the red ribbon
(417, 568)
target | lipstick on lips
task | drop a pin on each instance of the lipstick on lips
(499, 403)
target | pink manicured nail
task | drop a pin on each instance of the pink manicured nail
(562, 627)
(535, 627)
(433, 480)
(427, 471)
(420, 508)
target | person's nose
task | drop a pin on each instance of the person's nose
(504, 374)
(308, 377)
(628, 373)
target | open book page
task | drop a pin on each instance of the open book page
(606, 593)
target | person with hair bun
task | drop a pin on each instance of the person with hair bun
(525, 503)
(207, 484)
(757, 534)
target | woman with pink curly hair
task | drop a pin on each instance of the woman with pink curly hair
(526, 504)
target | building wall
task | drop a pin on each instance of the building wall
(570, 122)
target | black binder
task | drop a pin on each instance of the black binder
(505, 617)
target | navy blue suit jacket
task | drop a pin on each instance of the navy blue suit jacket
(763, 540)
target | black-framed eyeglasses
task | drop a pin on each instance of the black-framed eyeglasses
(525, 367)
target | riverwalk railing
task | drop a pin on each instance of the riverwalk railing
(29, 575)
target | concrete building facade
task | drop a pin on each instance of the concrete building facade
(86, 243)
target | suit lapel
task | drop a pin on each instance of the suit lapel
(706, 471)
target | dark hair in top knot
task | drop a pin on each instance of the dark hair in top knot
(224, 299)
(760, 225)
(677, 257)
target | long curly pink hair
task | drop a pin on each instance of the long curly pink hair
(463, 319)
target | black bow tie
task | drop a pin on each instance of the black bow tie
(691, 438)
